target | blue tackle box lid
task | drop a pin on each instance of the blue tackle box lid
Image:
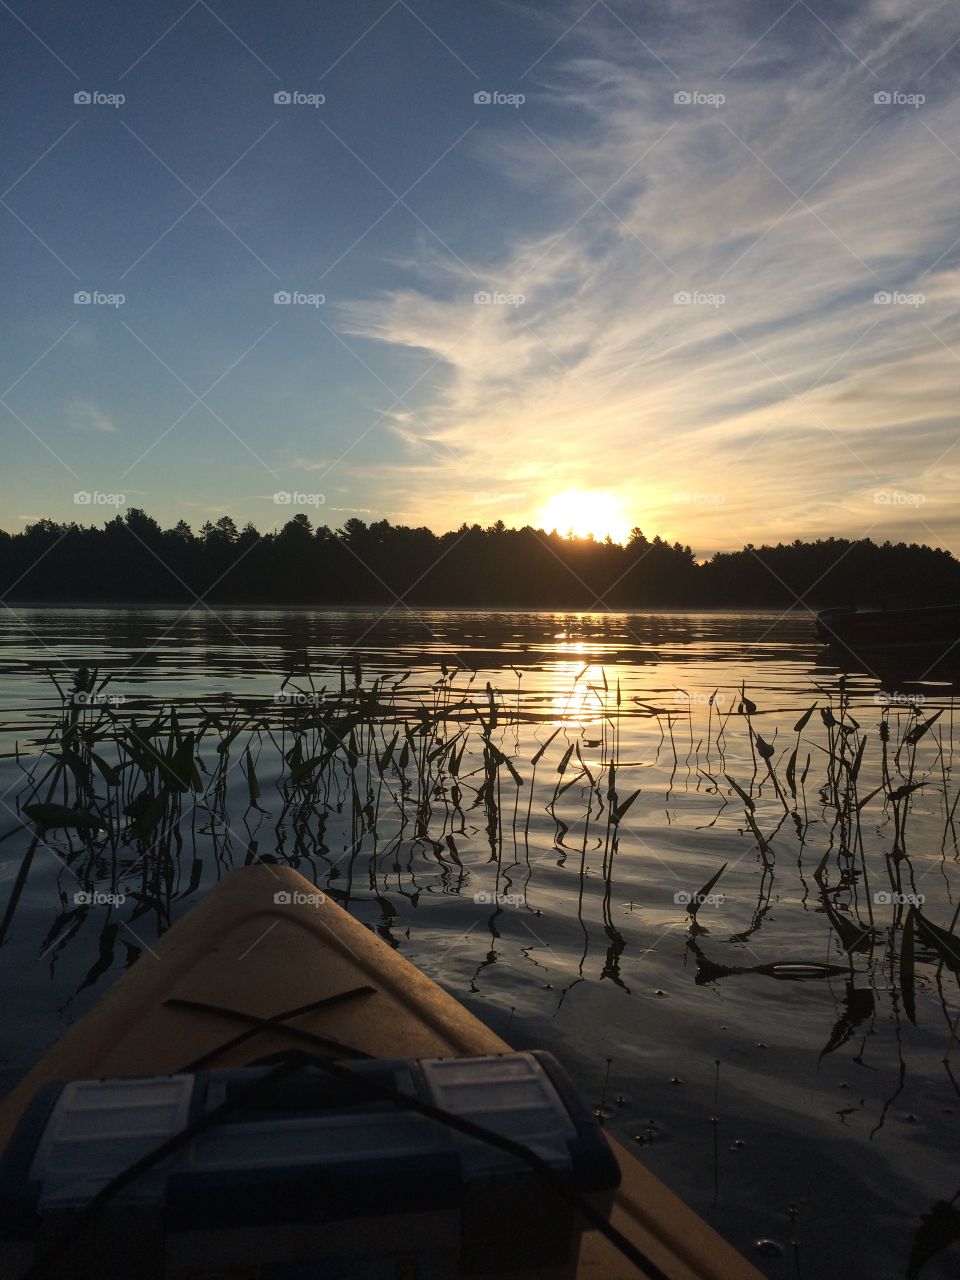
(314, 1148)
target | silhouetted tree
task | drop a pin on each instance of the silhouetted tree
(132, 558)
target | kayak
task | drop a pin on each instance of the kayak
(265, 964)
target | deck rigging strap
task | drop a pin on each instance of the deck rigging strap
(630, 1251)
(295, 1061)
(276, 1022)
(68, 1238)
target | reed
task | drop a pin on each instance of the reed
(377, 785)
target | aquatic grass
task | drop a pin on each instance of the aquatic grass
(412, 786)
(386, 775)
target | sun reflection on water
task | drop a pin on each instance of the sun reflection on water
(576, 688)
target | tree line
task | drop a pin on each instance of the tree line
(132, 558)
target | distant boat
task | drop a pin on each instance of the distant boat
(931, 628)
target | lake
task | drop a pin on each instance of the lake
(527, 805)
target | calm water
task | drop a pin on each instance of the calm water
(837, 1119)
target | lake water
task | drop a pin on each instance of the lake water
(760, 1060)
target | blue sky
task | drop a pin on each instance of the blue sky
(733, 154)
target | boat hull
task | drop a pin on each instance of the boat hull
(264, 941)
(934, 631)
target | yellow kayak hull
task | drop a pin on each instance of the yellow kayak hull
(242, 949)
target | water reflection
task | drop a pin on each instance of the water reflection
(529, 806)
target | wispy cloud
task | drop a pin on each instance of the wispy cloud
(783, 387)
(84, 414)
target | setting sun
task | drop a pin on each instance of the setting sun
(578, 513)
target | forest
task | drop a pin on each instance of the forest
(132, 558)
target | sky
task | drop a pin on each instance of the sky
(693, 268)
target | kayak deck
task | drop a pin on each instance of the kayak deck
(242, 950)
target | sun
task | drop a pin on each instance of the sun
(578, 512)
